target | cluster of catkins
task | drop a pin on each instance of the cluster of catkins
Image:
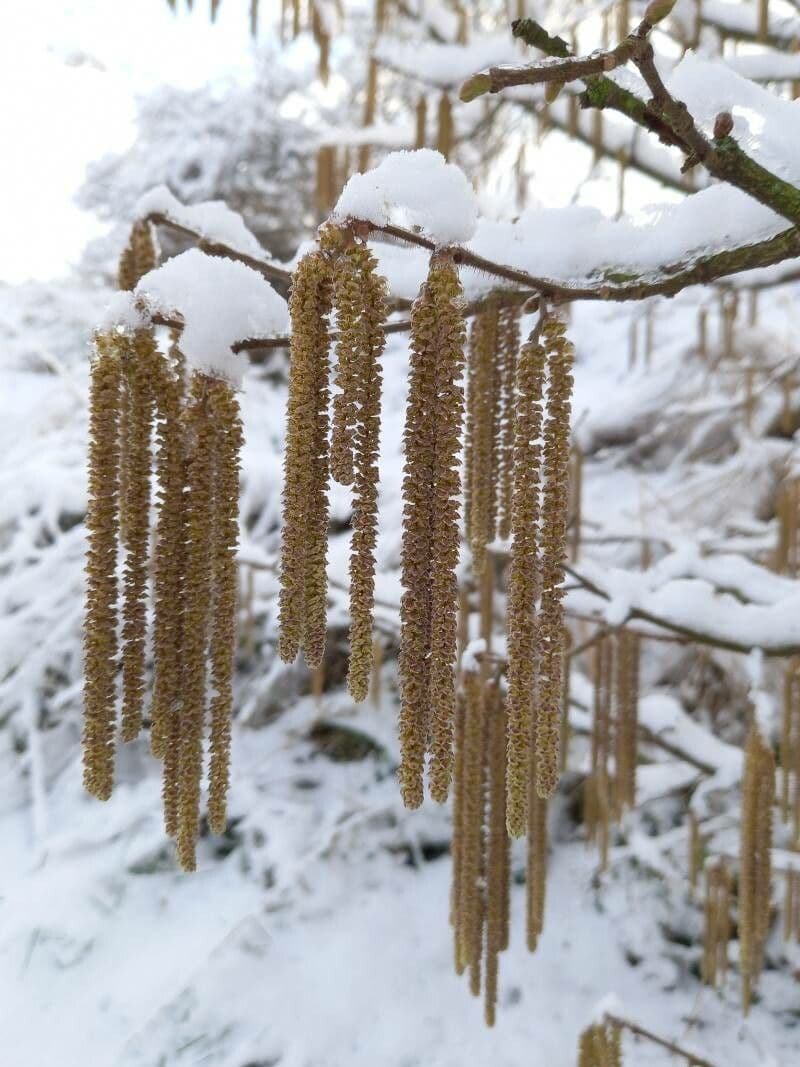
(610, 787)
(339, 277)
(755, 859)
(514, 441)
(480, 900)
(754, 884)
(600, 1045)
(157, 438)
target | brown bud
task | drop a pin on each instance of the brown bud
(723, 124)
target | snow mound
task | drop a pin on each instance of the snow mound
(221, 302)
(212, 219)
(416, 190)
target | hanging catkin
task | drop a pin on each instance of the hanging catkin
(481, 435)
(536, 873)
(507, 349)
(138, 257)
(717, 923)
(626, 718)
(600, 1045)
(102, 516)
(421, 122)
(141, 366)
(367, 377)
(597, 797)
(445, 133)
(555, 503)
(497, 859)
(523, 580)
(790, 749)
(448, 420)
(226, 426)
(302, 597)
(431, 485)
(196, 616)
(791, 906)
(468, 906)
(758, 790)
(169, 558)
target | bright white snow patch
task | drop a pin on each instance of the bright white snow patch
(213, 219)
(221, 302)
(416, 190)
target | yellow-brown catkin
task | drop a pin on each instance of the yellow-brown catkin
(302, 599)
(430, 533)
(600, 1045)
(143, 364)
(481, 436)
(523, 581)
(102, 517)
(470, 919)
(470, 932)
(445, 131)
(223, 412)
(326, 180)
(576, 494)
(457, 848)
(695, 852)
(626, 720)
(197, 602)
(555, 505)
(366, 441)
(448, 419)
(138, 257)
(791, 906)
(497, 875)
(370, 110)
(597, 797)
(717, 923)
(536, 873)
(790, 749)
(415, 605)
(168, 557)
(508, 346)
(375, 679)
(421, 121)
(758, 790)
(350, 344)
(323, 39)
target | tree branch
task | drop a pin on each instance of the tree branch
(648, 1035)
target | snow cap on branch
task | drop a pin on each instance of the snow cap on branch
(220, 301)
(416, 190)
(211, 218)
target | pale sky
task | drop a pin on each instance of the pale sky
(70, 73)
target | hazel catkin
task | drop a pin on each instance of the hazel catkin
(555, 502)
(100, 627)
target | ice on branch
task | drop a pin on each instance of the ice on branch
(221, 302)
(213, 219)
(416, 190)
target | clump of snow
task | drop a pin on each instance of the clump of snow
(766, 127)
(213, 219)
(418, 190)
(447, 64)
(122, 310)
(221, 302)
